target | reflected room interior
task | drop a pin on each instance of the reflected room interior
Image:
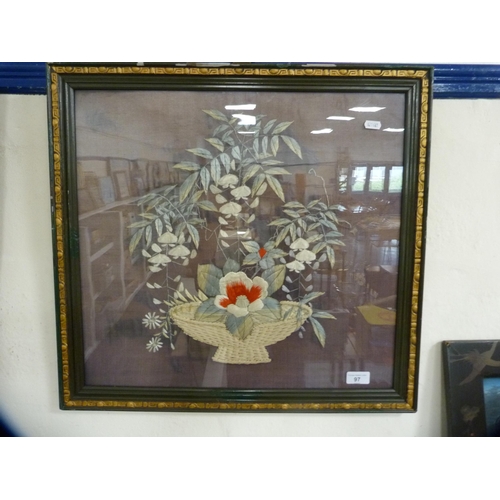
(352, 145)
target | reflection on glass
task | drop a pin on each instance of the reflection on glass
(395, 179)
(377, 177)
(491, 387)
(358, 179)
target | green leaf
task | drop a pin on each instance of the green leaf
(331, 256)
(251, 172)
(268, 126)
(187, 186)
(230, 266)
(204, 153)
(159, 226)
(228, 139)
(220, 129)
(216, 143)
(240, 327)
(270, 312)
(208, 277)
(236, 152)
(215, 169)
(279, 222)
(135, 240)
(265, 142)
(205, 178)
(189, 166)
(257, 183)
(275, 144)
(207, 205)
(142, 223)
(208, 311)
(319, 331)
(216, 115)
(281, 127)
(251, 259)
(323, 314)
(293, 145)
(251, 246)
(282, 234)
(275, 276)
(149, 236)
(311, 296)
(278, 171)
(256, 146)
(194, 234)
(268, 163)
(276, 187)
(148, 216)
(226, 161)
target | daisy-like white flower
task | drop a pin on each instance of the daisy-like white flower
(230, 208)
(242, 192)
(154, 344)
(306, 256)
(241, 295)
(228, 180)
(296, 266)
(151, 320)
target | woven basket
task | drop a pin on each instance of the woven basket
(233, 350)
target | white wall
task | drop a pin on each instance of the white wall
(461, 293)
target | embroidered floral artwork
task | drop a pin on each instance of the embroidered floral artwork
(261, 273)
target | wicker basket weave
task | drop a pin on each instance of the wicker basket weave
(233, 350)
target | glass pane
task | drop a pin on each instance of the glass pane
(377, 177)
(395, 179)
(358, 179)
(343, 179)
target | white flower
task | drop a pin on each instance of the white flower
(296, 266)
(179, 251)
(160, 259)
(167, 238)
(230, 208)
(228, 180)
(154, 344)
(151, 320)
(241, 192)
(306, 256)
(299, 244)
(241, 295)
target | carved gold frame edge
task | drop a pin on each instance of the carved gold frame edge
(421, 74)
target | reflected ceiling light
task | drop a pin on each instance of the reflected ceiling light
(246, 132)
(394, 129)
(246, 119)
(241, 107)
(322, 131)
(341, 118)
(366, 109)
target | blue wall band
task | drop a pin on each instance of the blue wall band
(451, 81)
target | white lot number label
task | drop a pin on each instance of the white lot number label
(357, 378)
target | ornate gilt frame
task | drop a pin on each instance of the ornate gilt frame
(66, 80)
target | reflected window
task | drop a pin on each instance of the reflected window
(343, 179)
(377, 179)
(358, 179)
(395, 179)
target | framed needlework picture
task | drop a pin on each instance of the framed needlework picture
(255, 241)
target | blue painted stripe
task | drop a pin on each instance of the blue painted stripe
(451, 81)
(23, 78)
